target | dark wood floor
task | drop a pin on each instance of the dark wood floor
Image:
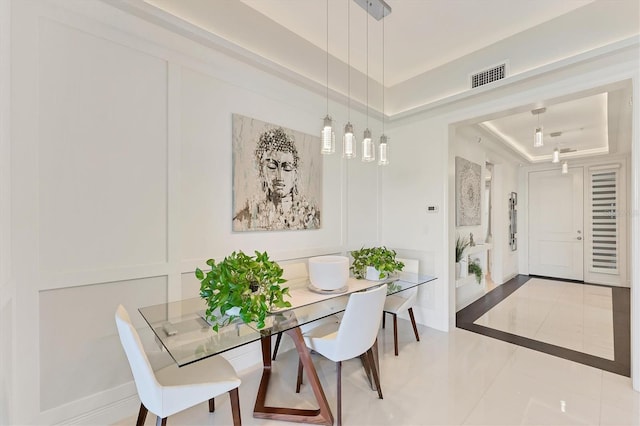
(621, 328)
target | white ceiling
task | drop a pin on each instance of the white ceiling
(582, 124)
(420, 35)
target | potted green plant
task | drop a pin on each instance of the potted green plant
(374, 263)
(242, 286)
(461, 244)
(475, 268)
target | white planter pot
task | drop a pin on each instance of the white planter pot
(373, 274)
(464, 267)
(329, 272)
(235, 311)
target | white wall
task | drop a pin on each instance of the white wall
(433, 175)
(411, 182)
(505, 259)
(470, 143)
(121, 185)
(6, 285)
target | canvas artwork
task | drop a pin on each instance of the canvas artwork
(277, 177)
(467, 192)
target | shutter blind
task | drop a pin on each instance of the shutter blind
(604, 221)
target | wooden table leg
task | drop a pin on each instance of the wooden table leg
(321, 415)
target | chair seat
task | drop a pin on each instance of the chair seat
(172, 389)
(214, 369)
(325, 323)
(395, 304)
(184, 387)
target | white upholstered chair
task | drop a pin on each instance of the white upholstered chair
(173, 389)
(352, 337)
(403, 301)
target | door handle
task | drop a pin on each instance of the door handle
(579, 238)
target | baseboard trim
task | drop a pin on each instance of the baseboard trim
(107, 414)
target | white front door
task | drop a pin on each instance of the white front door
(556, 224)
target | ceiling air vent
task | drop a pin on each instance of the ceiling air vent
(489, 75)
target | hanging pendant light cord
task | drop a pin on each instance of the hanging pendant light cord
(367, 18)
(327, 57)
(383, 75)
(349, 62)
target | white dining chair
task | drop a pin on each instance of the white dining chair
(173, 389)
(352, 337)
(403, 301)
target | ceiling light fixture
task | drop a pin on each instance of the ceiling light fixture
(383, 146)
(538, 137)
(368, 150)
(556, 156)
(349, 142)
(328, 136)
(565, 167)
(376, 8)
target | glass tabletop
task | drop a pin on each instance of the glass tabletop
(181, 327)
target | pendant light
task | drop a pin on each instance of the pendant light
(383, 146)
(368, 150)
(537, 136)
(328, 136)
(349, 139)
(565, 167)
(556, 156)
(537, 139)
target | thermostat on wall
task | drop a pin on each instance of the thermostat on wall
(432, 209)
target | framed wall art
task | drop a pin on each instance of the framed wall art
(467, 192)
(277, 177)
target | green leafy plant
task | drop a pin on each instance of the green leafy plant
(461, 244)
(381, 258)
(250, 283)
(475, 268)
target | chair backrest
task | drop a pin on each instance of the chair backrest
(410, 265)
(149, 390)
(296, 274)
(360, 323)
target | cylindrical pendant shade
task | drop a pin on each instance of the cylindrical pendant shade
(537, 138)
(565, 168)
(328, 137)
(348, 142)
(556, 156)
(383, 148)
(368, 151)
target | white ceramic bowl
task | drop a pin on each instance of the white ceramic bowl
(328, 272)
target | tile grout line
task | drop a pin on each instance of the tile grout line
(553, 305)
(601, 392)
(495, 378)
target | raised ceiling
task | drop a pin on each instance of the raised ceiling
(419, 36)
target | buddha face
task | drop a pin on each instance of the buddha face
(279, 172)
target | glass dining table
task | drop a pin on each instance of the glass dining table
(182, 330)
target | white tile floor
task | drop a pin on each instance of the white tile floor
(456, 378)
(571, 315)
